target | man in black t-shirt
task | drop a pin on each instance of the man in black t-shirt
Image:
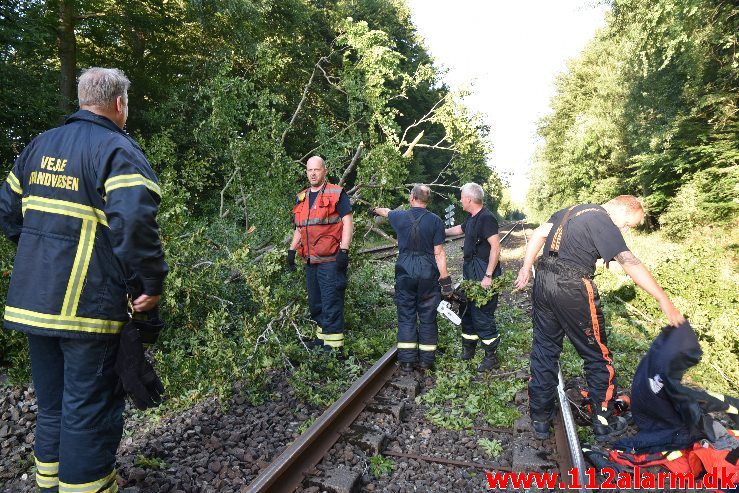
(419, 271)
(481, 254)
(566, 301)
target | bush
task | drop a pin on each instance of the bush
(702, 285)
(13, 346)
(708, 198)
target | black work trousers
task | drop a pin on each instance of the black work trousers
(566, 304)
(80, 417)
(417, 294)
(478, 322)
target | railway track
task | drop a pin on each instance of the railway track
(295, 469)
(374, 421)
(387, 251)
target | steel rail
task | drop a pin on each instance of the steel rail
(568, 444)
(515, 225)
(287, 471)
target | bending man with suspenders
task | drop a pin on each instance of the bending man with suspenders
(566, 301)
(419, 272)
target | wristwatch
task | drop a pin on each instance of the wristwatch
(488, 275)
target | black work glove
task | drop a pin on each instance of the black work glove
(446, 286)
(149, 326)
(600, 459)
(137, 377)
(342, 260)
(291, 261)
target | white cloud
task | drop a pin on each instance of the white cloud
(511, 51)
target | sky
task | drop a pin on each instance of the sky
(509, 52)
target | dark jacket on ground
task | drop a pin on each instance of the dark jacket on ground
(670, 415)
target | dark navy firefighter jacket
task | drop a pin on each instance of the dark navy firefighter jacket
(81, 202)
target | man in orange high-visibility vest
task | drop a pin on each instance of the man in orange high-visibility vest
(323, 234)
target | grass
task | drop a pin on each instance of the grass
(493, 448)
(381, 465)
(701, 279)
(461, 395)
(150, 462)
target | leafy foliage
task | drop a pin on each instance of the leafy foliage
(461, 396)
(482, 296)
(228, 100)
(702, 285)
(381, 465)
(649, 108)
(493, 448)
(321, 379)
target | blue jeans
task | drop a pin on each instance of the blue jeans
(326, 286)
(80, 419)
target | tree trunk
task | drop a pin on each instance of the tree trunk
(67, 43)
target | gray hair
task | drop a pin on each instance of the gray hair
(101, 86)
(473, 191)
(421, 193)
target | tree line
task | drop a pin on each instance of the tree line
(228, 100)
(245, 90)
(650, 107)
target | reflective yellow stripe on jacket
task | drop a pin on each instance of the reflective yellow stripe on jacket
(61, 322)
(133, 180)
(65, 208)
(14, 183)
(68, 320)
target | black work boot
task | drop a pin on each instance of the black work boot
(407, 367)
(490, 361)
(468, 350)
(604, 428)
(311, 343)
(542, 429)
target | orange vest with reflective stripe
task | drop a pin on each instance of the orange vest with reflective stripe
(320, 226)
(701, 458)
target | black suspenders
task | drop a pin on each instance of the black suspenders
(415, 240)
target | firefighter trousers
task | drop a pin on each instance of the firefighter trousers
(326, 286)
(564, 304)
(80, 418)
(478, 322)
(417, 294)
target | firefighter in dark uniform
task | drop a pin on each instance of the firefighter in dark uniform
(323, 233)
(81, 203)
(420, 271)
(481, 252)
(566, 301)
